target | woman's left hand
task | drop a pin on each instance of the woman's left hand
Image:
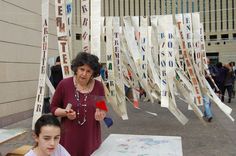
(99, 114)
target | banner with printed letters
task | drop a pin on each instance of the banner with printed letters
(38, 106)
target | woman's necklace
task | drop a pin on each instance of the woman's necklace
(81, 106)
(81, 102)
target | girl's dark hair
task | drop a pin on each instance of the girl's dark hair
(84, 58)
(45, 120)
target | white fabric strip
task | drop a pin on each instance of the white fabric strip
(62, 37)
(120, 108)
(85, 25)
(187, 59)
(69, 25)
(96, 28)
(38, 106)
(162, 38)
(120, 90)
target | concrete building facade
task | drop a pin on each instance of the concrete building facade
(217, 16)
(20, 51)
(20, 40)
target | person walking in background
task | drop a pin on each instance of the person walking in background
(47, 136)
(220, 77)
(232, 64)
(81, 131)
(56, 73)
(206, 100)
(228, 83)
(103, 72)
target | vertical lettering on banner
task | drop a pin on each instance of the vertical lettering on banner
(69, 24)
(43, 63)
(143, 48)
(187, 59)
(85, 25)
(116, 50)
(162, 37)
(62, 37)
(197, 49)
(110, 60)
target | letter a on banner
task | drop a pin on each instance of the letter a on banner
(43, 64)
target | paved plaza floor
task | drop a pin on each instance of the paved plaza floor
(217, 138)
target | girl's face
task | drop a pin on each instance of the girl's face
(84, 74)
(48, 140)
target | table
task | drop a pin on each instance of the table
(140, 145)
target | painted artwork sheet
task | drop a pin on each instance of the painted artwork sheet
(140, 145)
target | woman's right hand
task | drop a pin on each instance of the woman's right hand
(71, 114)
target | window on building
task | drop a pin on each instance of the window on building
(221, 16)
(192, 6)
(78, 36)
(224, 36)
(209, 15)
(227, 14)
(176, 6)
(198, 5)
(165, 2)
(204, 15)
(187, 8)
(234, 36)
(233, 14)
(182, 6)
(213, 57)
(160, 6)
(155, 4)
(215, 16)
(213, 37)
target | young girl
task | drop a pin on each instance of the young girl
(47, 136)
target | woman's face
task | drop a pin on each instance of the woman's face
(48, 139)
(84, 74)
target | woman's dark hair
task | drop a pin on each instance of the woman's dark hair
(45, 120)
(84, 58)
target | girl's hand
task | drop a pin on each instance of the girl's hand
(71, 114)
(99, 114)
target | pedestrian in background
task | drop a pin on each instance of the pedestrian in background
(56, 73)
(228, 82)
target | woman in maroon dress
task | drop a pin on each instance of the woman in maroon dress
(81, 132)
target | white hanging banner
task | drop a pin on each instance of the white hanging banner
(43, 63)
(116, 102)
(62, 38)
(69, 25)
(120, 90)
(96, 28)
(143, 47)
(197, 40)
(116, 50)
(85, 25)
(151, 65)
(187, 59)
(197, 62)
(162, 38)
